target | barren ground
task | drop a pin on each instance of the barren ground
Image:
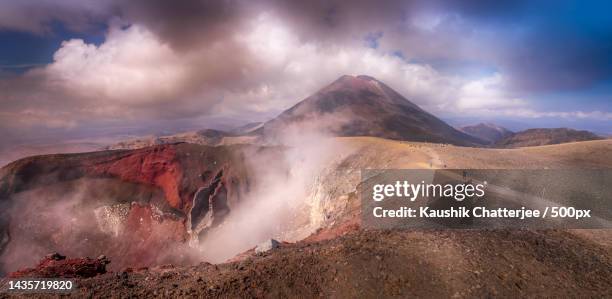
(346, 262)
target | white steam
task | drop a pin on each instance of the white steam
(280, 205)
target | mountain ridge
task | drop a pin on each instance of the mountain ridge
(363, 106)
(488, 132)
(546, 136)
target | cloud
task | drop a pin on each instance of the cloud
(530, 113)
(487, 93)
(39, 16)
(538, 46)
(193, 60)
(290, 69)
(131, 75)
(185, 25)
(134, 72)
(132, 67)
(38, 117)
(490, 96)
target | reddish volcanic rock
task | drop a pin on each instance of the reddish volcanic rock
(144, 222)
(56, 265)
(140, 207)
(157, 166)
(148, 236)
(335, 231)
(179, 170)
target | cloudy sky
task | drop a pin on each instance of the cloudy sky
(75, 68)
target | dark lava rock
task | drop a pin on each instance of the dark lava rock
(56, 265)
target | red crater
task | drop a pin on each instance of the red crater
(139, 207)
(157, 166)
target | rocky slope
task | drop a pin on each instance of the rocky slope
(491, 133)
(132, 205)
(534, 137)
(396, 264)
(343, 260)
(364, 106)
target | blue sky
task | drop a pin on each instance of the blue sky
(22, 50)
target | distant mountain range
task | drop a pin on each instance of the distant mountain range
(497, 136)
(206, 137)
(488, 132)
(364, 106)
(535, 137)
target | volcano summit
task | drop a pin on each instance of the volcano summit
(364, 106)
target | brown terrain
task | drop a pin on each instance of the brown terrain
(342, 260)
(534, 137)
(205, 137)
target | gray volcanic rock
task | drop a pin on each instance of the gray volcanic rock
(364, 106)
(267, 246)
